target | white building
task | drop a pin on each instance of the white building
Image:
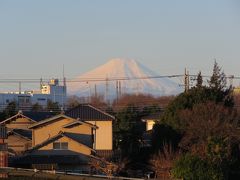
(48, 92)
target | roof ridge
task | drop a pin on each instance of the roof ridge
(19, 134)
(46, 141)
(49, 119)
(16, 115)
(57, 136)
(101, 111)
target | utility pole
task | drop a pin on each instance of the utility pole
(186, 80)
(20, 88)
(95, 90)
(117, 90)
(120, 89)
(41, 84)
(106, 92)
(64, 89)
(231, 80)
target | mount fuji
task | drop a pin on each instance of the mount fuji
(121, 76)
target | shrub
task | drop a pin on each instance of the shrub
(192, 167)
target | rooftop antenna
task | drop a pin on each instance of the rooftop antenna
(64, 88)
(120, 88)
(106, 89)
(64, 78)
(117, 90)
(95, 88)
(41, 83)
(20, 87)
(186, 80)
(231, 77)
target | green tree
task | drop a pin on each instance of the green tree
(126, 131)
(211, 131)
(218, 78)
(36, 107)
(216, 91)
(199, 80)
(192, 167)
(219, 92)
(11, 109)
(53, 106)
(73, 101)
(211, 136)
(163, 134)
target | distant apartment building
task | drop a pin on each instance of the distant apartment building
(51, 91)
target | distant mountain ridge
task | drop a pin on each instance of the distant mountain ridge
(122, 69)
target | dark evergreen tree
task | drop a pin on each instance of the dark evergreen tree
(53, 106)
(199, 80)
(218, 78)
(11, 109)
(36, 107)
(163, 134)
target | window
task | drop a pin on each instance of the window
(64, 145)
(56, 145)
(41, 99)
(27, 100)
(60, 145)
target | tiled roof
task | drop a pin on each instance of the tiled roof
(78, 122)
(16, 116)
(154, 116)
(79, 138)
(32, 116)
(59, 117)
(50, 120)
(22, 132)
(68, 158)
(38, 116)
(87, 112)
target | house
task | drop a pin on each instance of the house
(3, 148)
(103, 136)
(18, 121)
(18, 140)
(58, 139)
(19, 135)
(150, 120)
(51, 127)
(64, 141)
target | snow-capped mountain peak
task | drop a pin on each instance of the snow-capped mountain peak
(125, 76)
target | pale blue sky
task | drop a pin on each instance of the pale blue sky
(38, 37)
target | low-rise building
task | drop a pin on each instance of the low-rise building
(19, 135)
(150, 121)
(61, 136)
(103, 143)
(64, 141)
(52, 91)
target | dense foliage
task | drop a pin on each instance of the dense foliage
(191, 167)
(208, 123)
(216, 91)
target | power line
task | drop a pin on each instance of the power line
(31, 80)
(15, 80)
